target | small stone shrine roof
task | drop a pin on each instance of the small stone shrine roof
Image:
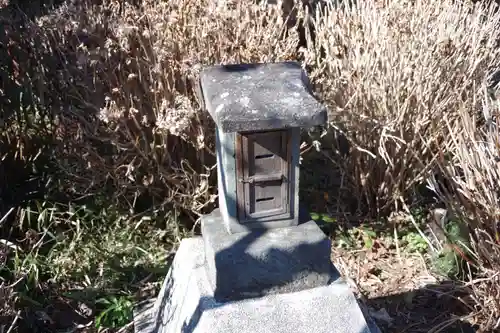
(258, 97)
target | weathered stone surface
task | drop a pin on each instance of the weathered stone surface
(186, 304)
(253, 97)
(257, 263)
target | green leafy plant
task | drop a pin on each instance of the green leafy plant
(354, 237)
(368, 236)
(447, 263)
(117, 312)
(451, 260)
(415, 242)
(323, 218)
(345, 240)
(419, 214)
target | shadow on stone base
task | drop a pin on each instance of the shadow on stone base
(186, 305)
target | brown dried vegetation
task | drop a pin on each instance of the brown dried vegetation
(98, 100)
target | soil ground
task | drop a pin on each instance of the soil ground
(400, 293)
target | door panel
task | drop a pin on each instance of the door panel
(262, 160)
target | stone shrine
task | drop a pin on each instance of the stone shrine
(262, 265)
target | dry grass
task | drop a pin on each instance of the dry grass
(108, 106)
(120, 81)
(392, 74)
(405, 81)
(473, 172)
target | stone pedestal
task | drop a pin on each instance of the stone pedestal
(265, 262)
(186, 304)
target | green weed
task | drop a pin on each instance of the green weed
(118, 312)
(88, 252)
(451, 260)
(414, 242)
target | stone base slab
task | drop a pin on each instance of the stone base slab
(186, 305)
(264, 262)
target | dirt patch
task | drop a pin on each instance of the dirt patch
(400, 292)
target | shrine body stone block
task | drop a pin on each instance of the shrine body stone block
(261, 264)
(259, 109)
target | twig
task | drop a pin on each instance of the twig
(416, 225)
(470, 283)
(12, 326)
(425, 265)
(6, 215)
(16, 282)
(445, 324)
(448, 294)
(396, 240)
(497, 325)
(124, 328)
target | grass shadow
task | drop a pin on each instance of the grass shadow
(433, 308)
(23, 10)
